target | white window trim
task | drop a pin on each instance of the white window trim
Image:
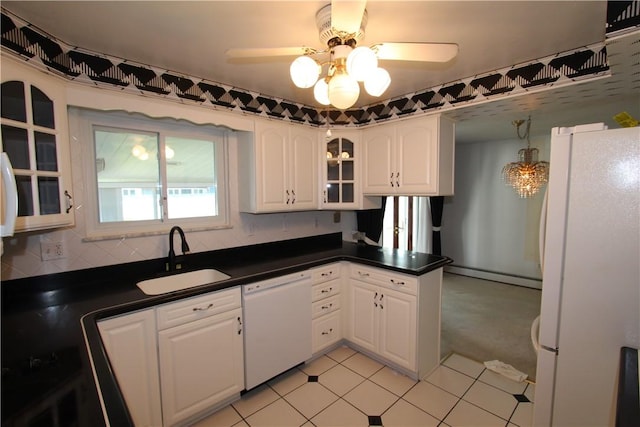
(84, 121)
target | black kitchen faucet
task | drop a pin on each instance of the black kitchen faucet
(173, 263)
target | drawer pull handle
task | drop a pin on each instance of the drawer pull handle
(203, 308)
(327, 333)
(327, 274)
(326, 307)
(363, 274)
(326, 291)
(239, 325)
(399, 282)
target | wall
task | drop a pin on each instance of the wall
(488, 230)
(21, 257)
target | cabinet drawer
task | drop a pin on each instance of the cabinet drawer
(326, 331)
(325, 273)
(325, 306)
(199, 307)
(325, 290)
(390, 280)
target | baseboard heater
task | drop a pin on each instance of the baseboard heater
(511, 279)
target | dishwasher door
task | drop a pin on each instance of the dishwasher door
(277, 326)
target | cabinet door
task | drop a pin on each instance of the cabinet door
(303, 164)
(416, 154)
(397, 312)
(271, 167)
(363, 308)
(201, 364)
(35, 137)
(379, 172)
(326, 331)
(130, 342)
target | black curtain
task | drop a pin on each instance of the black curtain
(370, 221)
(436, 204)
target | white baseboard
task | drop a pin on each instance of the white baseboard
(496, 277)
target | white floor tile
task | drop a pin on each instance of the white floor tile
(450, 380)
(464, 365)
(431, 399)
(255, 400)
(225, 417)
(279, 413)
(340, 413)
(340, 380)
(530, 392)
(318, 366)
(502, 382)
(393, 381)
(288, 381)
(362, 364)
(311, 398)
(404, 414)
(465, 414)
(341, 353)
(370, 398)
(491, 399)
(523, 415)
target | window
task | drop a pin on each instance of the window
(407, 223)
(151, 174)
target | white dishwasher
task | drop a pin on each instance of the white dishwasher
(277, 326)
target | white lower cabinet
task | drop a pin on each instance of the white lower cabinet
(131, 345)
(396, 317)
(201, 364)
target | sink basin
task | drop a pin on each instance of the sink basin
(180, 281)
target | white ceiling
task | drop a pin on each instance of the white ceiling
(191, 37)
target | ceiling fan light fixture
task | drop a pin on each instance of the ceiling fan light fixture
(304, 71)
(377, 82)
(361, 62)
(343, 90)
(321, 92)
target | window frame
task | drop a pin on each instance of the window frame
(88, 120)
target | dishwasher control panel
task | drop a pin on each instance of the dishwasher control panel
(277, 281)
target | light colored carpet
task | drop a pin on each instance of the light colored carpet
(486, 320)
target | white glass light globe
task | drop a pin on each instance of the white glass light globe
(304, 71)
(361, 62)
(377, 82)
(321, 92)
(343, 91)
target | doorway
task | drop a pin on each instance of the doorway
(407, 223)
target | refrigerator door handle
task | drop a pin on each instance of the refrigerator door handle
(542, 229)
(11, 196)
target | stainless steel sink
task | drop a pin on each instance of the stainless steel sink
(181, 281)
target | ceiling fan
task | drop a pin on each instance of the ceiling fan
(341, 25)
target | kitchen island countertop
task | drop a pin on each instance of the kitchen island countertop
(47, 321)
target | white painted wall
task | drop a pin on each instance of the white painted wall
(21, 257)
(487, 227)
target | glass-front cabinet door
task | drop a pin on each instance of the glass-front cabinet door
(35, 138)
(340, 182)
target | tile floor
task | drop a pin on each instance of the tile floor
(347, 388)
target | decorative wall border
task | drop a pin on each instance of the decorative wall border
(79, 65)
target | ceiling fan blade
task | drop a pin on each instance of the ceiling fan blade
(269, 51)
(428, 52)
(346, 15)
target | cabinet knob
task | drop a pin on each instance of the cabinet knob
(69, 200)
(398, 282)
(327, 333)
(293, 196)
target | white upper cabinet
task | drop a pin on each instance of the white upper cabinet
(278, 168)
(341, 165)
(35, 138)
(413, 157)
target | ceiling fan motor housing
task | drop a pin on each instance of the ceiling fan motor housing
(334, 36)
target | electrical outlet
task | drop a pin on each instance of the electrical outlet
(52, 250)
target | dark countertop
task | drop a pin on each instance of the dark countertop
(49, 322)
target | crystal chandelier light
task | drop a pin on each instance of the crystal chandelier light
(527, 175)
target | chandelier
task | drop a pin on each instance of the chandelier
(347, 65)
(527, 175)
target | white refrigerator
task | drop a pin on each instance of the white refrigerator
(591, 274)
